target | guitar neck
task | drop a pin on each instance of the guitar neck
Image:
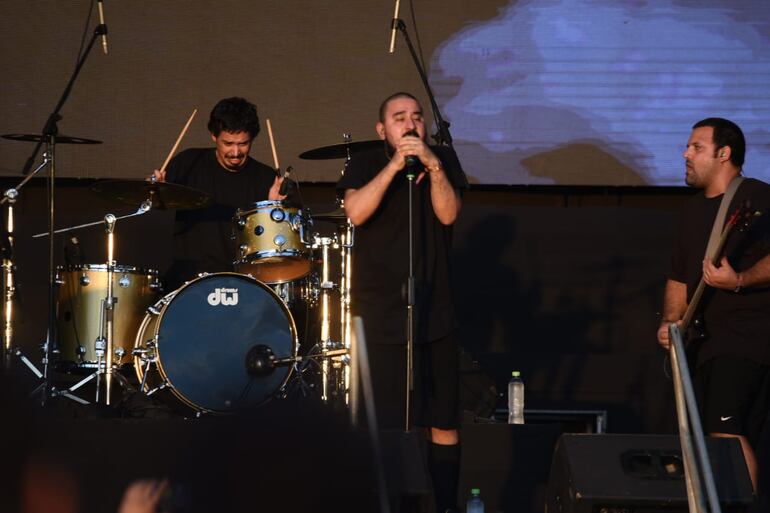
(692, 306)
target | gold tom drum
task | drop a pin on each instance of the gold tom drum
(82, 290)
(271, 242)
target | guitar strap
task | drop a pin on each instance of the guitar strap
(719, 220)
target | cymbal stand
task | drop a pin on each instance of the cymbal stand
(108, 328)
(8, 273)
(346, 279)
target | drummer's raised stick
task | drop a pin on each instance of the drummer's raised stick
(178, 140)
(272, 143)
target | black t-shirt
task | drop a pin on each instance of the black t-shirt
(735, 323)
(203, 239)
(381, 254)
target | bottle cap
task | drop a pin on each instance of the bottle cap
(475, 491)
(515, 374)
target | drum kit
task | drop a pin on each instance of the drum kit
(222, 341)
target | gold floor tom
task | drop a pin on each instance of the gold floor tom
(82, 289)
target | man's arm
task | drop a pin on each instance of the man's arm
(444, 198)
(674, 306)
(361, 203)
(726, 278)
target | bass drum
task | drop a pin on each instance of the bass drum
(195, 344)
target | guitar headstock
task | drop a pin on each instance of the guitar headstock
(743, 216)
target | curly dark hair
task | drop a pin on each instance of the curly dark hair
(234, 115)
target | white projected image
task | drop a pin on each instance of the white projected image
(603, 92)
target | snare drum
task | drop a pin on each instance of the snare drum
(80, 321)
(271, 243)
(194, 345)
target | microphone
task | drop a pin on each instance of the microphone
(100, 6)
(287, 183)
(393, 27)
(411, 161)
(411, 166)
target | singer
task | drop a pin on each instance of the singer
(201, 239)
(375, 187)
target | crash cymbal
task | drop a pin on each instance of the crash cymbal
(164, 195)
(60, 139)
(338, 214)
(339, 151)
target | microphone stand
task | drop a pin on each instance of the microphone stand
(410, 292)
(442, 138)
(50, 131)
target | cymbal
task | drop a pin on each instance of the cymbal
(164, 195)
(60, 139)
(338, 214)
(339, 151)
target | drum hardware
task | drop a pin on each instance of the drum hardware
(9, 271)
(305, 290)
(333, 361)
(347, 240)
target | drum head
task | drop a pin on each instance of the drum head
(205, 333)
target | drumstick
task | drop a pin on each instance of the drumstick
(272, 143)
(178, 140)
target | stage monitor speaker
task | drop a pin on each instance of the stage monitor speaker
(638, 474)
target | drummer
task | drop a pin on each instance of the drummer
(202, 239)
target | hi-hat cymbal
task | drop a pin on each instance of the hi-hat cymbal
(60, 139)
(339, 151)
(164, 195)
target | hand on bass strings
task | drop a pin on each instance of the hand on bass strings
(723, 277)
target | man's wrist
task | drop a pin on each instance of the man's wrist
(739, 284)
(435, 168)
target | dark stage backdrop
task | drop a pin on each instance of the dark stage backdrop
(572, 92)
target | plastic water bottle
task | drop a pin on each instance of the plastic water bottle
(516, 399)
(475, 504)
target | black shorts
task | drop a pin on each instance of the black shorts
(733, 395)
(434, 400)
